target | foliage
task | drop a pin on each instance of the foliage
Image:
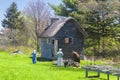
(12, 20)
(14, 23)
(23, 49)
(102, 26)
(65, 8)
(73, 8)
(112, 48)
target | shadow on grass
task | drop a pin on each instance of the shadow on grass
(83, 78)
(78, 70)
(57, 68)
(44, 59)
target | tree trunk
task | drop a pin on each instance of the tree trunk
(103, 47)
(37, 39)
(38, 44)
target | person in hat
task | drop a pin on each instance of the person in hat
(59, 57)
(34, 60)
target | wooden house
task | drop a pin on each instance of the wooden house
(63, 33)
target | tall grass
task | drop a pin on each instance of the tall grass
(20, 67)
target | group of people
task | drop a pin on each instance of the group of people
(74, 62)
(59, 55)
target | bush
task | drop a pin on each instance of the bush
(24, 49)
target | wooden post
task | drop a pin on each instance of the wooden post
(86, 73)
(98, 74)
(117, 77)
(107, 76)
(55, 46)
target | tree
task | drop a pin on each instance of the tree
(13, 21)
(39, 15)
(12, 18)
(65, 8)
(102, 23)
(73, 8)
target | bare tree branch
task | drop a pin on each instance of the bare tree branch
(39, 13)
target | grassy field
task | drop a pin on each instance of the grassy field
(20, 67)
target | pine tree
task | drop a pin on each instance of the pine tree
(13, 21)
(12, 18)
(74, 8)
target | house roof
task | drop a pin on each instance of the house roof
(57, 25)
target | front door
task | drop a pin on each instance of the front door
(55, 46)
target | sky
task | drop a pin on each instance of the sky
(21, 5)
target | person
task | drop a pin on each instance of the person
(76, 56)
(59, 57)
(76, 59)
(34, 57)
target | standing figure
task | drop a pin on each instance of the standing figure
(59, 57)
(76, 56)
(34, 56)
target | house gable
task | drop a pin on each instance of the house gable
(69, 29)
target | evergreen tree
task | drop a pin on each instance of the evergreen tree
(65, 8)
(13, 21)
(75, 8)
(102, 22)
(12, 18)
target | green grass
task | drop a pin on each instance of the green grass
(20, 67)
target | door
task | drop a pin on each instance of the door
(55, 47)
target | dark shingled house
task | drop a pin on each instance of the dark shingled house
(63, 33)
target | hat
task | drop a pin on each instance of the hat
(34, 51)
(60, 49)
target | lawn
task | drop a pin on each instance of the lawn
(20, 67)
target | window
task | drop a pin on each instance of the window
(48, 41)
(53, 41)
(68, 40)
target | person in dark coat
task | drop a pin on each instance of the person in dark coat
(76, 56)
(34, 60)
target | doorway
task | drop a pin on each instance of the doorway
(55, 44)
